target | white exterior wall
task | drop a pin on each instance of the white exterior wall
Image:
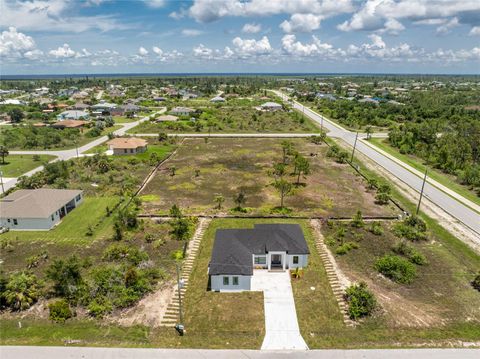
(216, 283)
(36, 224)
(302, 261)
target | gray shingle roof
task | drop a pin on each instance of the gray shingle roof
(233, 248)
(35, 203)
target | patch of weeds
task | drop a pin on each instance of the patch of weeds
(396, 268)
(413, 255)
(346, 247)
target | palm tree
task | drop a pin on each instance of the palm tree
(3, 152)
(219, 199)
(21, 291)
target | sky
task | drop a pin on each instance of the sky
(201, 36)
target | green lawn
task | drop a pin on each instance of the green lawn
(17, 165)
(123, 119)
(417, 163)
(74, 226)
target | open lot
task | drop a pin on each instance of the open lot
(228, 166)
(16, 165)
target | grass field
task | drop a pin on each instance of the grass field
(17, 165)
(418, 164)
(228, 166)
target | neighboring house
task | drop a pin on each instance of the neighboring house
(80, 106)
(166, 118)
(37, 209)
(325, 96)
(72, 115)
(127, 146)
(124, 109)
(182, 111)
(103, 106)
(236, 252)
(80, 95)
(271, 106)
(69, 124)
(217, 99)
(12, 102)
(159, 99)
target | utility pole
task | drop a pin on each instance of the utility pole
(354, 146)
(179, 327)
(421, 192)
(1, 180)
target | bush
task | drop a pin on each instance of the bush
(99, 307)
(411, 253)
(346, 247)
(21, 290)
(376, 228)
(476, 282)
(357, 220)
(412, 228)
(361, 302)
(117, 252)
(60, 311)
(66, 277)
(177, 255)
(396, 268)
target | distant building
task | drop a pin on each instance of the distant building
(127, 146)
(73, 115)
(325, 96)
(271, 106)
(37, 209)
(182, 111)
(80, 106)
(166, 118)
(69, 124)
(12, 102)
(217, 99)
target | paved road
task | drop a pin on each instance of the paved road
(455, 208)
(68, 154)
(125, 353)
(233, 135)
(281, 324)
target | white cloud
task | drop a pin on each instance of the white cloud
(393, 27)
(33, 54)
(191, 32)
(157, 50)
(211, 10)
(475, 31)
(63, 52)
(252, 47)
(142, 51)
(448, 26)
(301, 23)
(251, 28)
(15, 44)
(373, 13)
(203, 51)
(53, 15)
(156, 4)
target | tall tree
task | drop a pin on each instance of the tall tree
(4, 153)
(287, 148)
(303, 166)
(284, 188)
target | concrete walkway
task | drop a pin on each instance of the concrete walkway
(130, 353)
(281, 325)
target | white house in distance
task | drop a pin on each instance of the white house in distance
(182, 111)
(37, 209)
(236, 252)
(72, 115)
(217, 99)
(271, 106)
(127, 145)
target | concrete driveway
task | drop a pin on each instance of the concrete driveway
(281, 325)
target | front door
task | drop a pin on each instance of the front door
(277, 261)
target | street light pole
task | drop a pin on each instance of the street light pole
(421, 192)
(354, 146)
(179, 327)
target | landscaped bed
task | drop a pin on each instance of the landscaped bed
(202, 170)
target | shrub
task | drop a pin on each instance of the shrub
(396, 268)
(357, 220)
(117, 252)
(21, 290)
(177, 255)
(476, 282)
(346, 247)
(411, 253)
(412, 228)
(60, 311)
(66, 277)
(361, 302)
(99, 307)
(376, 228)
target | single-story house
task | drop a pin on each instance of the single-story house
(10, 101)
(37, 209)
(217, 99)
(271, 106)
(159, 99)
(182, 111)
(69, 124)
(73, 115)
(80, 106)
(236, 252)
(325, 96)
(103, 106)
(127, 145)
(166, 118)
(123, 109)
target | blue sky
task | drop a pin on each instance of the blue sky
(98, 36)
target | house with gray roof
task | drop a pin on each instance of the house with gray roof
(37, 209)
(237, 252)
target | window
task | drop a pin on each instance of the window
(125, 151)
(235, 280)
(226, 281)
(295, 259)
(8, 220)
(260, 260)
(78, 198)
(52, 217)
(15, 222)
